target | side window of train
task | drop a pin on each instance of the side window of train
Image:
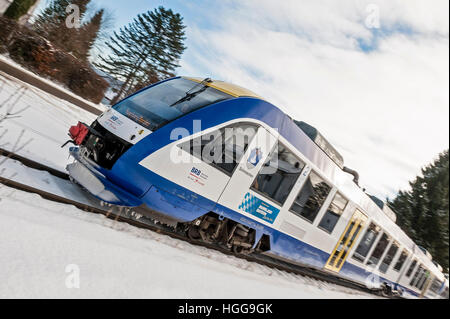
(418, 277)
(223, 148)
(379, 249)
(422, 279)
(311, 197)
(411, 268)
(436, 286)
(278, 175)
(401, 260)
(384, 266)
(333, 213)
(367, 242)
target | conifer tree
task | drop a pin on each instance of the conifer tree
(18, 8)
(89, 34)
(423, 211)
(144, 51)
(51, 24)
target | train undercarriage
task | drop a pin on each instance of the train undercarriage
(239, 238)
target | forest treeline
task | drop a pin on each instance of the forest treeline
(422, 211)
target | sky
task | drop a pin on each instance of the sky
(372, 76)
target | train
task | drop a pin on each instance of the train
(230, 168)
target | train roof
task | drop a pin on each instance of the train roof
(229, 88)
(322, 142)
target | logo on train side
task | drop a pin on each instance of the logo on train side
(197, 176)
(255, 156)
(259, 208)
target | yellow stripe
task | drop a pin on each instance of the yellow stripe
(228, 88)
(331, 266)
(355, 227)
(358, 219)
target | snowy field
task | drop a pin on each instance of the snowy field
(51, 250)
(41, 240)
(38, 123)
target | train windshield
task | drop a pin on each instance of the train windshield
(165, 102)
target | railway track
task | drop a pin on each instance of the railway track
(136, 217)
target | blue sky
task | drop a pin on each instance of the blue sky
(371, 75)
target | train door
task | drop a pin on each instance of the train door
(346, 242)
(238, 188)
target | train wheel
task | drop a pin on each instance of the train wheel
(193, 233)
(237, 250)
(386, 291)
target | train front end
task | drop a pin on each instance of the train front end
(107, 153)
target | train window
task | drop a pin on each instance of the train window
(417, 276)
(278, 175)
(366, 242)
(222, 148)
(436, 286)
(401, 260)
(160, 104)
(423, 279)
(411, 268)
(389, 257)
(333, 213)
(379, 250)
(311, 197)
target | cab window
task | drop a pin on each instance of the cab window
(162, 103)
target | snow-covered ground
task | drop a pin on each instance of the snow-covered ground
(39, 123)
(47, 249)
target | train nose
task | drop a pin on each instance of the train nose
(85, 174)
(82, 175)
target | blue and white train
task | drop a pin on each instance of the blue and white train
(234, 169)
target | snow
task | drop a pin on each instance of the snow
(44, 244)
(43, 180)
(40, 240)
(39, 131)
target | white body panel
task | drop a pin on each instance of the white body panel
(122, 126)
(176, 165)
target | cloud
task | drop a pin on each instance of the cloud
(383, 105)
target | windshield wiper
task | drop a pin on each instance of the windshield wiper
(190, 95)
